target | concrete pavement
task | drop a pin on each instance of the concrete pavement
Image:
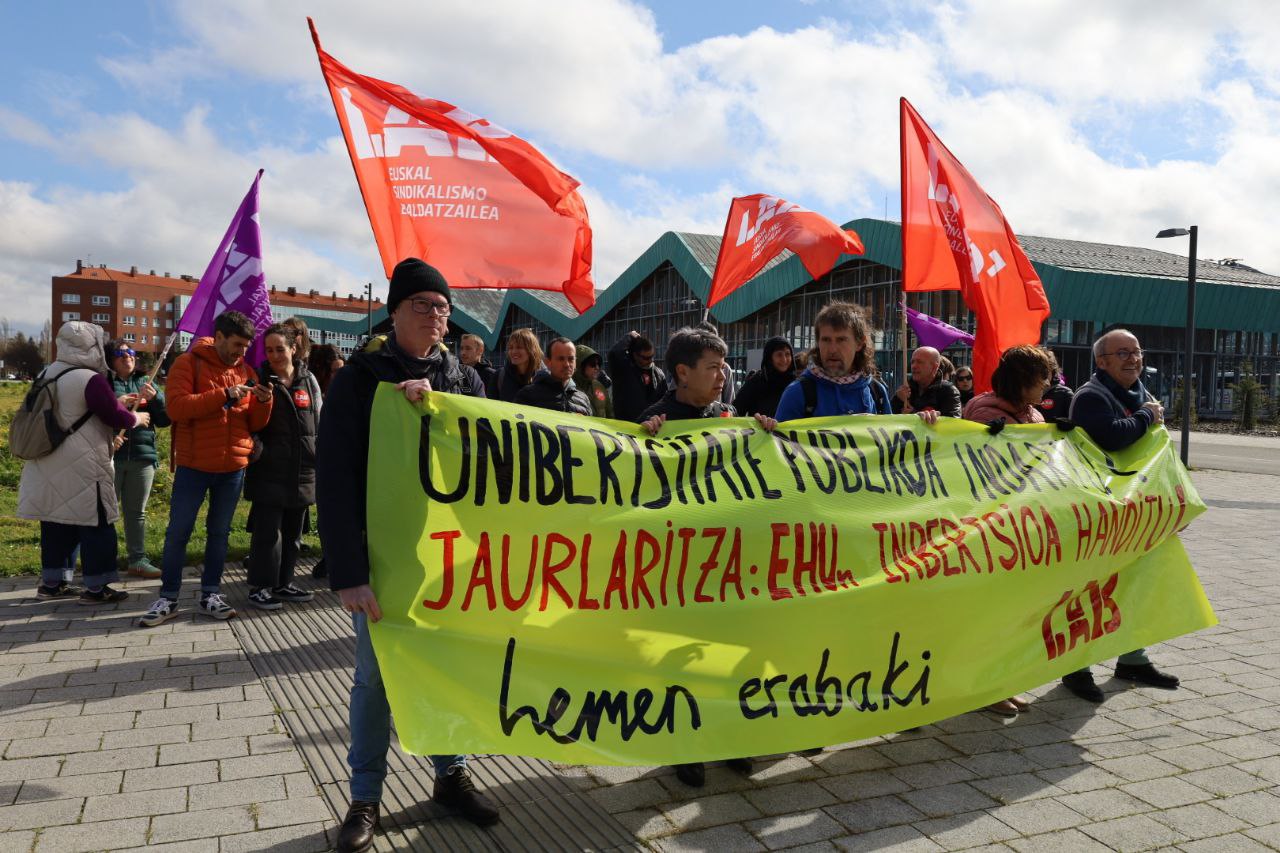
(114, 738)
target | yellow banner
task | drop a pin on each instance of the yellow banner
(574, 589)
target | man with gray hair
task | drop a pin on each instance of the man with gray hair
(926, 388)
(1116, 410)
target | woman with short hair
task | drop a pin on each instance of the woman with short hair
(135, 457)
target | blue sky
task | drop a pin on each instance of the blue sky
(129, 131)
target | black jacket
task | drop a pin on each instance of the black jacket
(941, 395)
(634, 390)
(283, 470)
(1057, 401)
(1111, 415)
(763, 389)
(509, 383)
(545, 392)
(678, 411)
(343, 448)
(489, 376)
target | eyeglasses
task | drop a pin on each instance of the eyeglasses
(122, 352)
(1125, 354)
(430, 306)
(964, 378)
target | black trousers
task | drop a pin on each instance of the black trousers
(273, 547)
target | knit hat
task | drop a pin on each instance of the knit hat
(412, 276)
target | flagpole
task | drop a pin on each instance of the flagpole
(902, 233)
(152, 375)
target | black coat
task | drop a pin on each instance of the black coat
(343, 449)
(763, 389)
(1057, 401)
(283, 469)
(545, 392)
(634, 389)
(489, 376)
(678, 411)
(509, 383)
(941, 396)
(1112, 416)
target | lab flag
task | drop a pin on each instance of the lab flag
(475, 201)
(234, 280)
(954, 237)
(760, 227)
(932, 332)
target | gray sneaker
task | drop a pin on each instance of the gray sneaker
(264, 600)
(161, 611)
(215, 606)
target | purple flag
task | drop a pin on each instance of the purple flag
(233, 280)
(932, 332)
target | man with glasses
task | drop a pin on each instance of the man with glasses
(412, 358)
(1116, 410)
(637, 382)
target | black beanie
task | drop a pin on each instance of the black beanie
(413, 275)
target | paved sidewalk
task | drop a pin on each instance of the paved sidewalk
(114, 738)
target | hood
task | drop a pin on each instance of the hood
(579, 377)
(770, 347)
(83, 344)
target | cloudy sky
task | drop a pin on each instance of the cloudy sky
(129, 131)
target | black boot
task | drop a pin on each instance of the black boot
(1145, 673)
(458, 792)
(1082, 684)
(320, 570)
(693, 775)
(357, 829)
(739, 765)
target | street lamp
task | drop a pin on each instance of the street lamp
(368, 295)
(1189, 347)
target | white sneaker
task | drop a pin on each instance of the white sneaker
(215, 606)
(160, 611)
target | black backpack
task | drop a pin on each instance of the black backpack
(35, 431)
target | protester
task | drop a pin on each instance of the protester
(1057, 400)
(1018, 383)
(637, 383)
(946, 369)
(594, 382)
(71, 490)
(926, 388)
(553, 387)
(524, 360)
(763, 389)
(418, 303)
(471, 353)
(324, 363)
(135, 457)
(696, 359)
(1116, 410)
(964, 384)
(302, 335)
(840, 377)
(730, 386)
(216, 405)
(281, 480)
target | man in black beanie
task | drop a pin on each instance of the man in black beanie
(418, 303)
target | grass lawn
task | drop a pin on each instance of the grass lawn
(20, 539)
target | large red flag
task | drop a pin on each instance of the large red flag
(480, 204)
(954, 237)
(760, 227)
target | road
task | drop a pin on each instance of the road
(1224, 452)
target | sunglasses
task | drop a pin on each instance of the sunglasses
(122, 352)
(964, 377)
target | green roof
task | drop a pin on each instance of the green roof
(1084, 281)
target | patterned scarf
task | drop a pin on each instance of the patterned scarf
(838, 380)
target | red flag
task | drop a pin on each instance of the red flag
(478, 203)
(760, 227)
(954, 237)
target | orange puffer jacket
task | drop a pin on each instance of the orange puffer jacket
(208, 436)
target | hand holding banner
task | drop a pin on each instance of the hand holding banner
(578, 590)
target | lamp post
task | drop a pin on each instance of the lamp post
(1189, 347)
(368, 295)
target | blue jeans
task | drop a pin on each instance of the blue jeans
(371, 724)
(61, 543)
(189, 489)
